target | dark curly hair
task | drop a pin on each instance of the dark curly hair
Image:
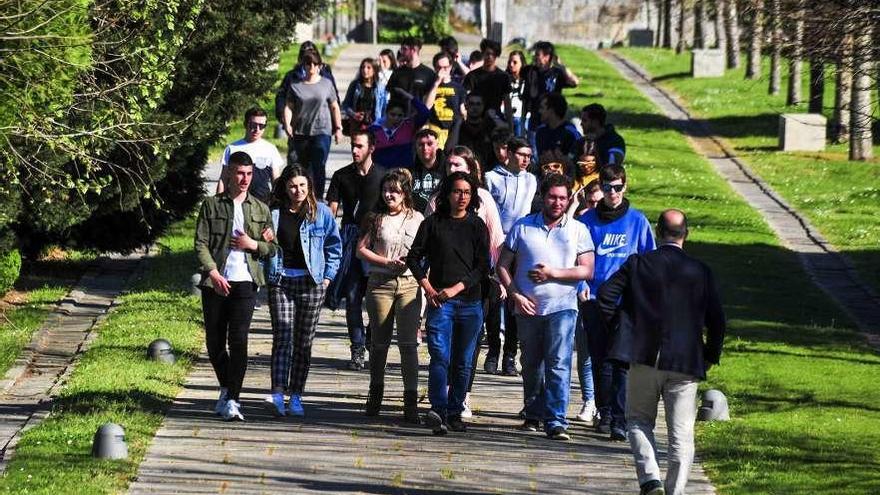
(443, 206)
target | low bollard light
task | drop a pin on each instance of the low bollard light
(194, 284)
(161, 350)
(713, 407)
(109, 442)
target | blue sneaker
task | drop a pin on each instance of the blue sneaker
(274, 403)
(295, 408)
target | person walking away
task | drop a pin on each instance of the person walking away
(298, 275)
(228, 243)
(356, 187)
(657, 305)
(455, 244)
(618, 231)
(267, 160)
(392, 291)
(311, 116)
(551, 254)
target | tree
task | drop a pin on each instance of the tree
(667, 23)
(843, 91)
(700, 25)
(683, 9)
(817, 85)
(861, 135)
(756, 37)
(795, 60)
(731, 28)
(775, 47)
(720, 33)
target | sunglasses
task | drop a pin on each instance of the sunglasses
(255, 125)
(607, 188)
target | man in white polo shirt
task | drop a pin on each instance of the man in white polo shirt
(267, 160)
(551, 254)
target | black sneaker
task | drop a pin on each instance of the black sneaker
(530, 425)
(653, 487)
(604, 425)
(491, 365)
(508, 366)
(438, 426)
(558, 433)
(618, 434)
(357, 359)
(456, 424)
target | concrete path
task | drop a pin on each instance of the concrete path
(828, 269)
(27, 390)
(336, 449)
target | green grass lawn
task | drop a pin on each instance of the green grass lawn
(114, 381)
(801, 384)
(41, 285)
(838, 196)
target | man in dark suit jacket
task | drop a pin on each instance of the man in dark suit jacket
(657, 306)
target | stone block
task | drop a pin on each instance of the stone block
(802, 131)
(707, 63)
(641, 38)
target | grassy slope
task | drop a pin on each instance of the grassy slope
(801, 386)
(839, 197)
(115, 382)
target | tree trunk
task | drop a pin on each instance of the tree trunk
(682, 44)
(731, 27)
(756, 38)
(667, 23)
(795, 61)
(699, 25)
(843, 91)
(817, 85)
(659, 39)
(776, 48)
(861, 136)
(720, 35)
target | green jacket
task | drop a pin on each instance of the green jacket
(214, 232)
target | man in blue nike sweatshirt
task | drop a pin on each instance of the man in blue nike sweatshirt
(618, 231)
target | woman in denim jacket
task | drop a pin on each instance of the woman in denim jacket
(298, 275)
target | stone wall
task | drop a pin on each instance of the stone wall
(582, 22)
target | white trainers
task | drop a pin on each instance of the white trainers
(220, 405)
(588, 411)
(232, 412)
(466, 412)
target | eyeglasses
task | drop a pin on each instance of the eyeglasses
(255, 125)
(527, 156)
(461, 192)
(607, 188)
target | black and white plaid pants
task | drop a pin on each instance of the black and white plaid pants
(294, 306)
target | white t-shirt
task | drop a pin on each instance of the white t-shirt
(266, 159)
(236, 269)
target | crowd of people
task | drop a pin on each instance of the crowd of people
(475, 210)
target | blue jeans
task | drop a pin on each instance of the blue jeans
(453, 330)
(546, 343)
(583, 364)
(311, 152)
(609, 376)
(355, 290)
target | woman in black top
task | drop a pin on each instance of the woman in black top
(455, 244)
(359, 106)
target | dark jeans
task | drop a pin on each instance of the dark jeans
(311, 152)
(227, 321)
(609, 376)
(453, 329)
(355, 290)
(492, 328)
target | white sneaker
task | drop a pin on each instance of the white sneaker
(232, 411)
(588, 411)
(220, 405)
(466, 412)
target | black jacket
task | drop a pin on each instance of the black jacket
(656, 307)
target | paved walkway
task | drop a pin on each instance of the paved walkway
(335, 449)
(828, 269)
(27, 390)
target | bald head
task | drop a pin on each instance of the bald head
(672, 226)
